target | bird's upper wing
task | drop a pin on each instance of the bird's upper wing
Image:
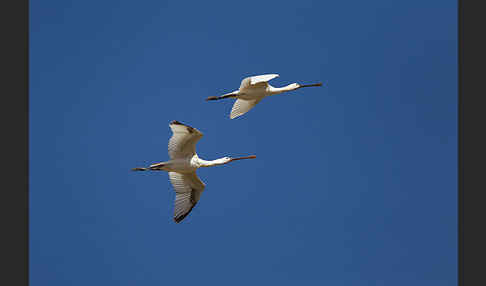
(182, 144)
(242, 106)
(188, 188)
(253, 80)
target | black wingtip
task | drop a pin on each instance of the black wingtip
(180, 218)
(189, 128)
(175, 122)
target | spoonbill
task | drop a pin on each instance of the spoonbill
(183, 165)
(252, 90)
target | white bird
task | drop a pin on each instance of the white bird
(183, 165)
(252, 90)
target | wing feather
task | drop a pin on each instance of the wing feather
(242, 106)
(182, 144)
(253, 80)
(188, 188)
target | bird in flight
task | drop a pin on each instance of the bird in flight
(252, 90)
(182, 167)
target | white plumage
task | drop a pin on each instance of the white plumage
(183, 165)
(252, 90)
(182, 144)
(242, 106)
(188, 188)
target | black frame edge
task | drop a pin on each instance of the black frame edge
(15, 148)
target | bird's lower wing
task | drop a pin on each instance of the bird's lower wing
(188, 188)
(242, 106)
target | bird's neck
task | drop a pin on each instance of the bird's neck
(210, 163)
(277, 90)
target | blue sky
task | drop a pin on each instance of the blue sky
(354, 183)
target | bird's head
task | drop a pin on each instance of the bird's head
(226, 159)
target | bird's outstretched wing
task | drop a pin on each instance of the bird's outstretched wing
(242, 106)
(182, 144)
(188, 188)
(254, 80)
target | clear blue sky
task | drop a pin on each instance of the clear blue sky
(354, 183)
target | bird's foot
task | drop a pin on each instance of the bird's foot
(139, 169)
(213, 98)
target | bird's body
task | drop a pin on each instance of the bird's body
(252, 90)
(187, 165)
(183, 165)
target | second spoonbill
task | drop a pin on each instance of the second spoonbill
(252, 90)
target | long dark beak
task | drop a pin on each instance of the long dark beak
(314, 84)
(241, 158)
